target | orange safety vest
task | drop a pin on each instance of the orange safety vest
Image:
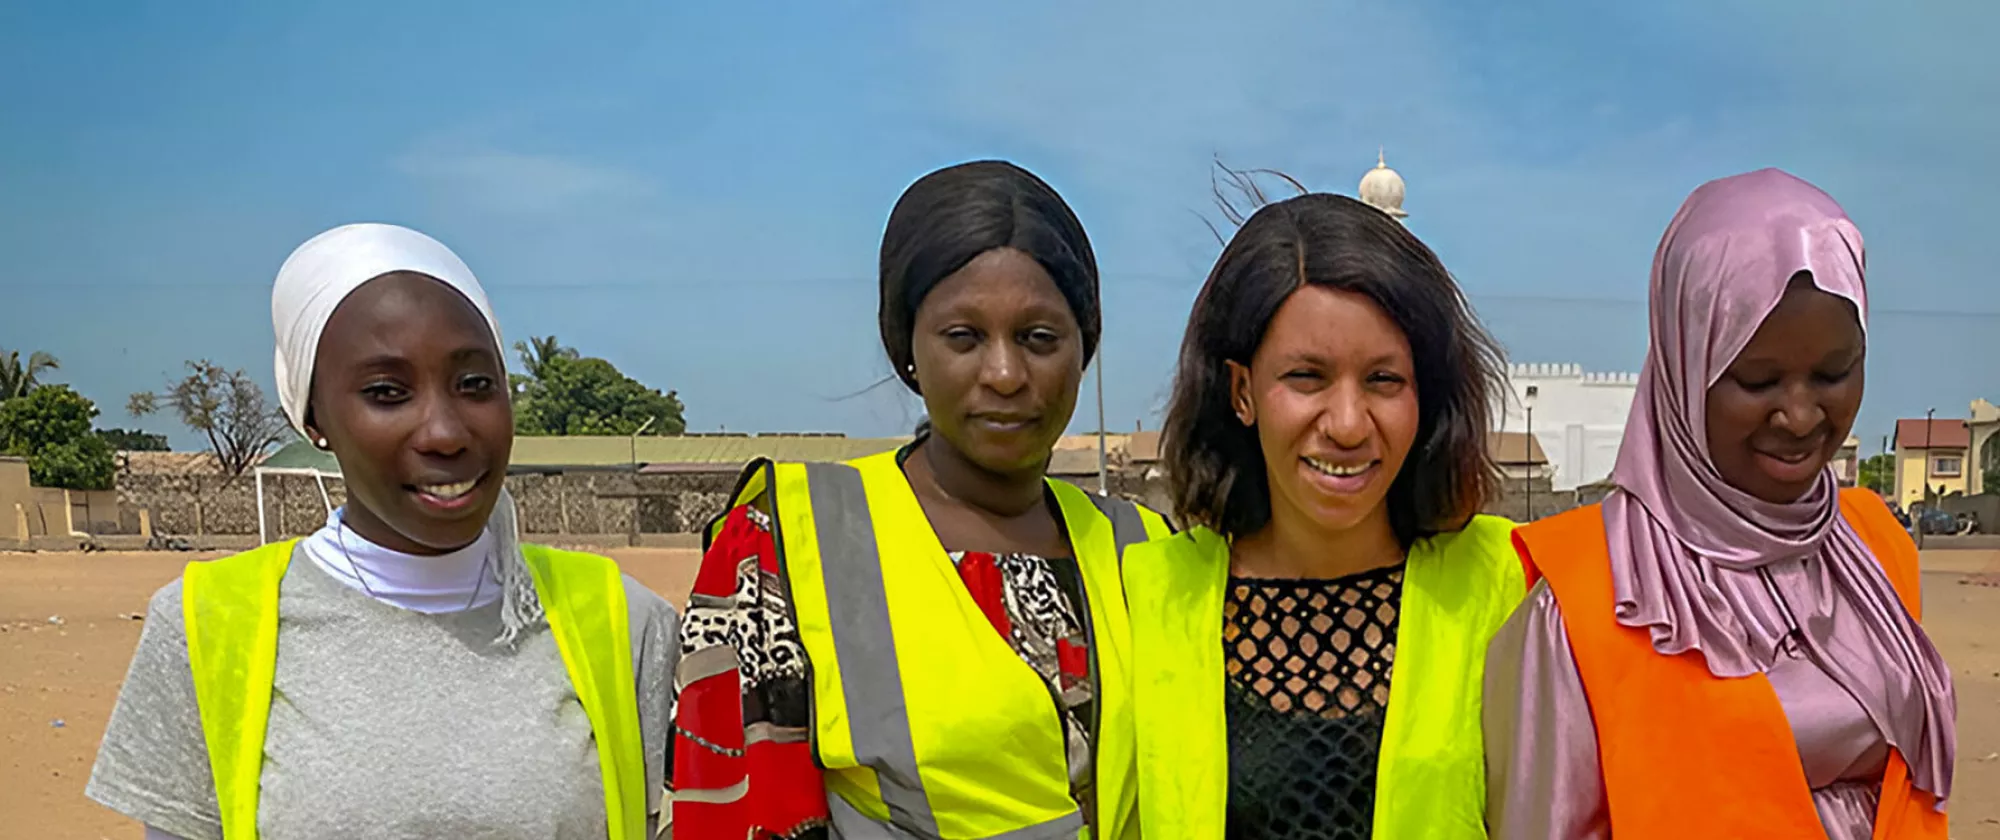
(1684, 753)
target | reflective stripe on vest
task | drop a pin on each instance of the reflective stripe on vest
(1686, 754)
(949, 751)
(1458, 588)
(231, 610)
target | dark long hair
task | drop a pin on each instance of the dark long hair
(951, 216)
(1215, 466)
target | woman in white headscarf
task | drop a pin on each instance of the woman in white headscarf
(410, 669)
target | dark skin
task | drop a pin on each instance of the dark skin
(999, 356)
(409, 392)
(1782, 410)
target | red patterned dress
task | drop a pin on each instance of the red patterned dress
(742, 757)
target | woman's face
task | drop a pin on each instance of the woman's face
(1332, 394)
(410, 393)
(998, 355)
(1785, 405)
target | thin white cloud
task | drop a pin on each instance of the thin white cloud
(520, 183)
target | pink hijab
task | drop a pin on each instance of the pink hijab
(1690, 554)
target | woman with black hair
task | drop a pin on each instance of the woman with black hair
(1326, 444)
(928, 642)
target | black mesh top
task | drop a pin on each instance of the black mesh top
(1308, 664)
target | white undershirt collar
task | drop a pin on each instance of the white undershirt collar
(444, 583)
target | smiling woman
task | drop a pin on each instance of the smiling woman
(1311, 647)
(408, 392)
(437, 678)
(1728, 645)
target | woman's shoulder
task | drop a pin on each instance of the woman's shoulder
(640, 598)
(1194, 545)
(1480, 554)
(645, 603)
(228, 576)
(1160, 521)
(1483, 537)
(165, 611)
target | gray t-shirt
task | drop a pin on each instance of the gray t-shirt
(386, 723)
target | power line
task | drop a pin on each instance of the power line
(1190, 282)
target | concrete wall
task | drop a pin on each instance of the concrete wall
(599, 508)
(609, 502)
(198, 505)
(1579, 417)
(28, 512)
(1984, 506)
(16, 497)
(52, 512)
(573, 503)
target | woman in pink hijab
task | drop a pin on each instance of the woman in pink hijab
(1728, 646)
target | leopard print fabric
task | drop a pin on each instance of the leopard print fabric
(756, 621)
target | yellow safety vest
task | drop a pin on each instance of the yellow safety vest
(1431, 777)
(231, 607)
(918, 706)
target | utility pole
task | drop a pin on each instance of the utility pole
(635, 441)
(1929, 417)
(1103, 474)
(1528, 403)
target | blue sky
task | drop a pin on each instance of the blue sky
(696, 192)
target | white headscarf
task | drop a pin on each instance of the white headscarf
(314, 281)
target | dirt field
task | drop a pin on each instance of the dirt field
(58, 679)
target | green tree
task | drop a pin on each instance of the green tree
(586, 396)
(17, 378)
(50, 427)
(133, 440)
(1878, 472)
(538, 352)
(226, 406)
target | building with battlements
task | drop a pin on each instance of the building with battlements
(1576, 416)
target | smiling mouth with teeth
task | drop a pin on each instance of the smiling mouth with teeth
(448, 492)
(1338, 470)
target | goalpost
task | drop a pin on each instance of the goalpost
(319, 478)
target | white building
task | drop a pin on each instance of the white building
(1578, 418)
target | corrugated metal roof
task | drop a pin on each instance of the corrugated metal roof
(1515, 448)
(169, 463)
(730, 450)
(302, 455)
(1073, 462)
(679, 454)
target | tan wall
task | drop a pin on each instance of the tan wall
(27, 512)
(16, 497)
(95, 512)
(49, 515)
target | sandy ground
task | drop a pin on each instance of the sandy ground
(58, 680)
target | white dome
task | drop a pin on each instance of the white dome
(1383, 188)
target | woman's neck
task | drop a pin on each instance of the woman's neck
(938, 463)
(1291, 545)
(366, 525)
